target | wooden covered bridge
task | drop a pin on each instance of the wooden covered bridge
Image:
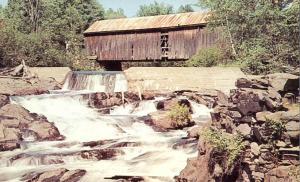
(153, 38)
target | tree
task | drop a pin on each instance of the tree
(45, 32)
(111, 14)
(1, 12)
(155, 9)
(262, 33)
(185, 8)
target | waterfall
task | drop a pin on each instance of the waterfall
(105, 81)
(79, 123)
(141, 151)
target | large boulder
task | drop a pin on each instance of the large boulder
(17, 123)
(203, 168)
(161, 121)
(247, 102)
(284, 82)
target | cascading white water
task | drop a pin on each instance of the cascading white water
(155, 156)
(106, 81)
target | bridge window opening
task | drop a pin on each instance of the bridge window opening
(164, 44)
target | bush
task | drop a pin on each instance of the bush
(180, 114)
(206, 57)
(277, 128)
(227, 144)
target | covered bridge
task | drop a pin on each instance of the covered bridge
(163, 37)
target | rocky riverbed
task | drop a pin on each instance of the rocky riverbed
(73, 136)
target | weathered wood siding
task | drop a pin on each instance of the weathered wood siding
(143, 46)
(185, 43)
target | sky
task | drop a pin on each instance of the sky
(131, 6)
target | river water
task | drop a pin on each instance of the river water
(156, 156)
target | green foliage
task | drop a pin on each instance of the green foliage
(206, 57)
(180, 114)
(185, 8)
(45, 32)
(263, 34)
(1, 12)
(230, 145)
(277, 128)
(155, 9)
(111, 14)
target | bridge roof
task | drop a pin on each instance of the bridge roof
(149, 22)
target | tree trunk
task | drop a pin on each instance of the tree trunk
(230, 38)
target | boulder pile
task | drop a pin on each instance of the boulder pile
(18, 124)
(265, 113)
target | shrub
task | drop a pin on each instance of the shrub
(180, 114)
(206, 57)
(275, 127)
(227, 144)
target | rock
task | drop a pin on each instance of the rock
(284, 82)
(17, 122)
(243, 83)
(191, 172)
(166, 105)
(293, 129)
(127, 178)
(103, 100)
(272, 105)
(147, 95)
(255, 149)
(247, 102)
(254, 83)
(280, 144)
(279, 174)
(107, 100)
(44, 130)
(97, 143)
(162, 122)
(3, 100)
(59, 175)
(198, 98)
(258, 175)
(289, 99)
(222, 99)
(11, 111)
(248, 119)
(235, 115)
(202, 169)
(262, 116)
(194, 132)
(73, 176)
(20, 87)
(99, 154)
(284, 116)
(244, 129)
